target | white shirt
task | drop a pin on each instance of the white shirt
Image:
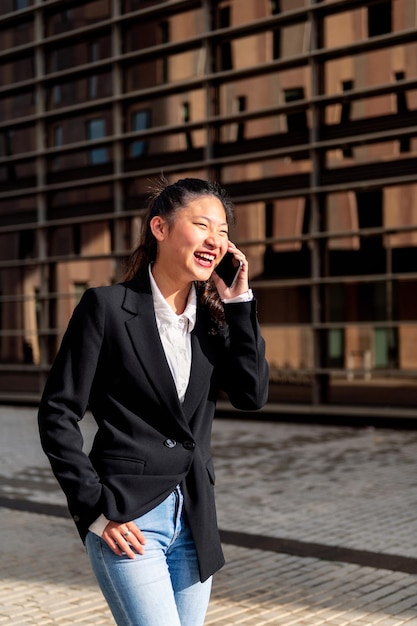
(175, 333)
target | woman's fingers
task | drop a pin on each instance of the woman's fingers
(124, 539)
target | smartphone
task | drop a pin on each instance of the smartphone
(228, 269)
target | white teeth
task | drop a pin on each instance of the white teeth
(207, 257)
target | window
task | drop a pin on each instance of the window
(186, 118)
(57, 140)
(93, 55)
(6, 145)
(58, 135)
(385, 347)
(20, 4)
(96, 129)
(276, 33)
(57, 64)
(226, 62)
(164, 30)
(370, 215)
(347, 85)
(26, 244)
(76, 239)
(402, 109)
(6, 149)
(298, 120)
(140, 121)
(336, 347)
(56, 94)
(240, 127)
(380, 18)
(336, 336)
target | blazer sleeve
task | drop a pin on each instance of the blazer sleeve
(63, 404)
(244, 370)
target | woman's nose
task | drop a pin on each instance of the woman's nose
(214, 239)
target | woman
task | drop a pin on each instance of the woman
(148, 357)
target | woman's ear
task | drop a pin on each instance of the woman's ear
(158, 227)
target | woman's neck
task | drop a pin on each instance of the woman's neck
(175, 295)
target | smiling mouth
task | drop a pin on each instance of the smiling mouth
(205, 258)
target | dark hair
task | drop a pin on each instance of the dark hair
(166, 200)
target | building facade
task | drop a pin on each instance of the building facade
(305, 110)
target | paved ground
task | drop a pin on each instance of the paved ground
(319, 526)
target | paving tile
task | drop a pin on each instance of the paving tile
(321, 486)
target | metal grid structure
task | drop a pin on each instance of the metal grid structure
(65, 64)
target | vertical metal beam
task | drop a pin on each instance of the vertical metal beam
(41, 201)
(389, 306)
(211, 91)
(117, 116)
(320, 381)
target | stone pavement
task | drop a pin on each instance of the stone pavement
(319, 525)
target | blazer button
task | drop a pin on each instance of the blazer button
(189, 445)
(170, 443)
(76, 518)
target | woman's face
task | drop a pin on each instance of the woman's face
(191, 247)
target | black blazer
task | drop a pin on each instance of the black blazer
(111, 361)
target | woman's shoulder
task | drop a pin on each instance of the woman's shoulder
(103, 292)
(109, 291)
(115, 294)
(103, 297)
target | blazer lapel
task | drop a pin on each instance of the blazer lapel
(146, 342)
(201, 369)
(144, 335)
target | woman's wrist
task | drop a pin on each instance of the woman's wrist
(247, 296)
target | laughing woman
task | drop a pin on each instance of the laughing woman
(148, 357)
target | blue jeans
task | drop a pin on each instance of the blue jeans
(161, 587)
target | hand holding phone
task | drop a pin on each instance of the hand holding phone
(228, 269)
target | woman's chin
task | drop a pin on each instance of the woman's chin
(203, 273)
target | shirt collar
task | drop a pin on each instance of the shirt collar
(163, 311)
